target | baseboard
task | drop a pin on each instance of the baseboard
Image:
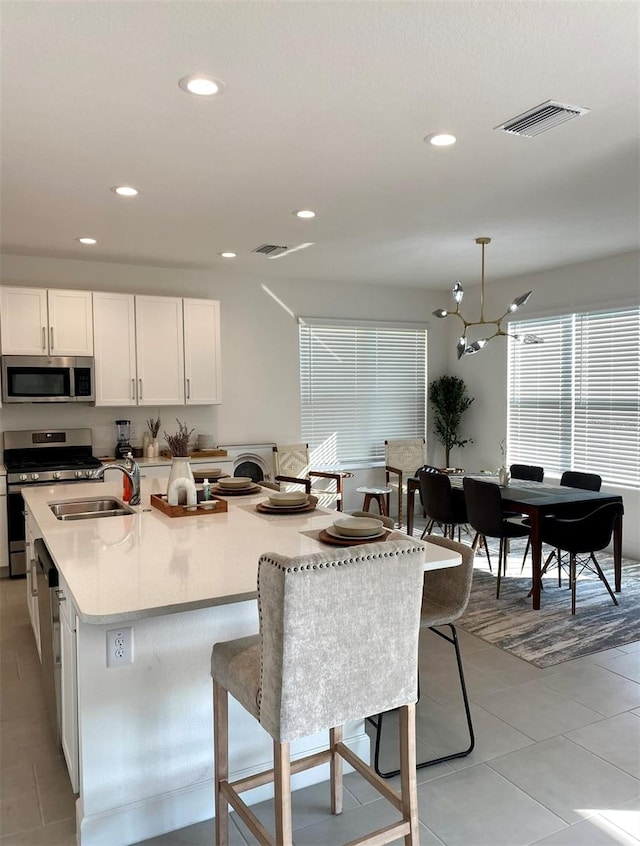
(177, 809)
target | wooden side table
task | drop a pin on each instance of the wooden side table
(379, 495)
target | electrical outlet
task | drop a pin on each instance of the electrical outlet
(119, 646)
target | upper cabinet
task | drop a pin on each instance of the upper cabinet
(156, 350)
(202, 351)
(34, 321)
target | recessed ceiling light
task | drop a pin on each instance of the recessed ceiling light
(125, 190)
(442, 139)
(205, 86)
(228, 255)
(87, 240)
(305, 214)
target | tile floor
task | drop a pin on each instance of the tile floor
(556, 763)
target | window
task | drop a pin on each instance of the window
(574, 401)
(360, 384)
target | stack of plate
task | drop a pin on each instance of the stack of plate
(235, 483)
(358, 528)
(289, 499)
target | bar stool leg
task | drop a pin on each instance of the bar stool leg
(335, 736)
(282, 793)
(408, 779)
(221, 757)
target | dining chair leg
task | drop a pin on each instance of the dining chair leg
(221, 758)
(282, 793)
(604, 579)
(572, 580)
(526, 552)
(335, 767)
(499, 571)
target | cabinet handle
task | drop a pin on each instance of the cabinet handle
(188, 388)
(60, 595)
(140, 391)
(133, 389)
(44, 340)
(51, 336)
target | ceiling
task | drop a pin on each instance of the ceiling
(326, 107)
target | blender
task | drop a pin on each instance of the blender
(123, 435)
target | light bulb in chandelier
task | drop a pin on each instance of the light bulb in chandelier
(464, 348)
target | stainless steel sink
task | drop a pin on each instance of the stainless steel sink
(86, 509)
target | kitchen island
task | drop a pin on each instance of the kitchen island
(143, 729)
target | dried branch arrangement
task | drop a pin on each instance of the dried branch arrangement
(153, 426)
(179, 443)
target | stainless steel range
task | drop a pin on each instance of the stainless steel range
(42, 457)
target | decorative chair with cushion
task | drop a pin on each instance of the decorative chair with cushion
(583, 536)
(315, 665)
(445, 596)
(444, 505)
(571, 479)
(488, 518)
(293, 466)
(401, 457)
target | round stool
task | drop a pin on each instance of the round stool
(380, 495)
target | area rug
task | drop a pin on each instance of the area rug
(552, 635)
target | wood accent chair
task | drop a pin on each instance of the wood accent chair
(444, 506)
(292, 467)
(316, 664)
(445, 596)
(583, 536)
(401, 457)
(490, 520)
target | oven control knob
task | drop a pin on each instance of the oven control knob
(78, 474)
(23, 477)
(57, 475)
(34, 477)
(87, 473)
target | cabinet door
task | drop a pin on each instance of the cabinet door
(160, 351)
(68, 688)
(114, 327)
(23, 321)
(202, 351)
(70, 323)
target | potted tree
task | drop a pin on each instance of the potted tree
(449, 399)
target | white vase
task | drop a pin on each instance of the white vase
(180, 468)
(504, 476)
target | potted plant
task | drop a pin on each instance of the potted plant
(449, 399)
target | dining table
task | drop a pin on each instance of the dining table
(538, 500)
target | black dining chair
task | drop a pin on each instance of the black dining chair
(426, 468)
(571, 479)
(487, 516)
(583, 536)
(528, 472)
(444, 505)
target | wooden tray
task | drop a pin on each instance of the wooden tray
(209, 453)
(254, 489)
(159, 501)
(327, 538)
(266, 508)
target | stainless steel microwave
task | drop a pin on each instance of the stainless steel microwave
(40, 378)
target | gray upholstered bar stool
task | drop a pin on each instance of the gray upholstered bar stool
(315, 665)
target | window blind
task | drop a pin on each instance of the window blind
(574, 401)
(359, 386)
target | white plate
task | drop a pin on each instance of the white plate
(357, 527)
(288, 498)
(331, 531)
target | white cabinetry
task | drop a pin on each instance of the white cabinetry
(34, 321)
(114, 325)
(202, 351)
(68, 685)
(32, 579)
(160, 351)
(156, 350)
(4, 548)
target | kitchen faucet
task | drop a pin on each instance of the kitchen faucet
(133, 475)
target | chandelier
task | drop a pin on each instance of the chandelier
(466, 348)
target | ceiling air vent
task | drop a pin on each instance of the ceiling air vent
(541, 118)
(272, 251)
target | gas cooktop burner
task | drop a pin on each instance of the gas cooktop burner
(46, 456)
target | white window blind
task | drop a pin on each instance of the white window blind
(574, 401)
(359, 386)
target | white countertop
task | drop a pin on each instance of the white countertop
(148, 564)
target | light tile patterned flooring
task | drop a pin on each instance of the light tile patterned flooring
(556, 763)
